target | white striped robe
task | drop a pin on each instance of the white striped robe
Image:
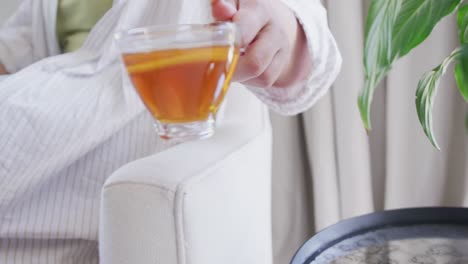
(68, 121)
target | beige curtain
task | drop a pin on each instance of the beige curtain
(326, 167)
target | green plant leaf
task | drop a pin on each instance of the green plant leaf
(393, 29)
(377, 51)
(415, 22)
(463, 78)
(462, 21)
(461, 73)
(426, 92)
(461, 70)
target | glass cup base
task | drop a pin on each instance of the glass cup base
(186, 131)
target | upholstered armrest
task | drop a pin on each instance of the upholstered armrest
(201, 202)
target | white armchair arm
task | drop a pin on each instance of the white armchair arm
(201, 202)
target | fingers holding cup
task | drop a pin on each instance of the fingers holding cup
(223, 10)
(262, 61)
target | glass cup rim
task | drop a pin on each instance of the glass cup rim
(137, 32)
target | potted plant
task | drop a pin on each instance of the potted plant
(393, 29)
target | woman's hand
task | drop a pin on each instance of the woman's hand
(276, 49)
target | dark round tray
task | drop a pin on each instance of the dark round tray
(419, 235)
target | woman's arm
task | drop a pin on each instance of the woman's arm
(291, 58)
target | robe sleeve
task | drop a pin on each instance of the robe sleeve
(325, 57)
(16, 40)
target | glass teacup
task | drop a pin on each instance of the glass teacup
(181, 73)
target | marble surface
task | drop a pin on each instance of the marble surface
(393, 245)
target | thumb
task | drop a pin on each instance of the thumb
(222, 10)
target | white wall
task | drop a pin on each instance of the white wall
(7, 7)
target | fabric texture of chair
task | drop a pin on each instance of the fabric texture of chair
(199, 202)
